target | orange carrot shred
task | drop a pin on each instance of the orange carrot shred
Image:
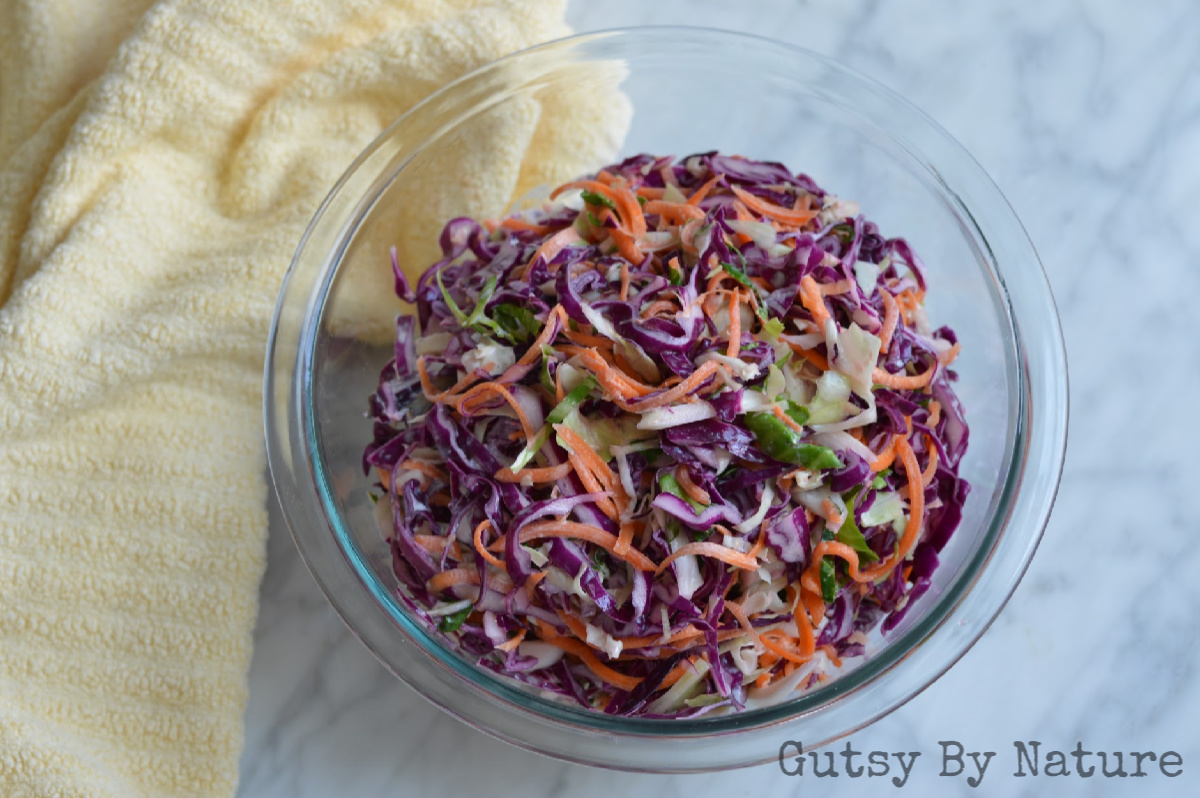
(770, 209)
(699, 194)
(479, 547)
(891, 315)
(903, 381)
(810, 297)
(725, 554)
(735, 325)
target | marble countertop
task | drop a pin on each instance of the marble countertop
(1087, 115)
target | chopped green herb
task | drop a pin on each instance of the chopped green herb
(675, 276)
(571, 401)
(544, 377)
(599, 564)
(797, 413)
(851, 535)
(828, 580)
(516, 323)
(739, 273)
(845, 232)
(736, 273)
(556, 416)
(599, 200)
(449, 300)
(782, 443)
(450, 623)
(476, 320)
(477, 316)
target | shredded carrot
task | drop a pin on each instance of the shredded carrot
(810, 297)
(735, 325)
(602, 671)
(516, 223)
(433, 394)
(480, 391)
(770, 209)
(831, 652)
(831, 512)
(771, 641)
(762, 540)
(575, 625)
(556, 317)
(804, 626)
(532, 582)
(886, 457)
(659, 304)
(422, 467)
(935, 414)
(916, 513)
(699, 194)
(737, 612)
(902, 381)
(842, 286)
(891, 315)
(554, 245)
(586, 339)
(624, 293)
(479, 547)
(816, 358)
(931, 468)
(686, 633)
(674, 211)
(677, 673)
(625, 539)
(599, 186)
(585, 532)
(628, 387)
(537, 476)
(593, 472)
(434, 544)
(457, 576)
(512, 642)
(693, 381)
(715, 550)
(684, 477)
(948, 357)
(626, 245)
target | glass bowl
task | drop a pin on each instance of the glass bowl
(689, 90)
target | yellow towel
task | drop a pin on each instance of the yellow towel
(158, 163)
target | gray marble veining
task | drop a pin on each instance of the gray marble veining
(1087, 115)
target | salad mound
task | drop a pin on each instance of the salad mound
(674, 441)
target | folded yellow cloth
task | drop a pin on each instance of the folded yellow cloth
(158, 163)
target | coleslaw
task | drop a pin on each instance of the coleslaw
(674, 441)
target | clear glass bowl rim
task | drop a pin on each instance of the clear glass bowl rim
(296, 459)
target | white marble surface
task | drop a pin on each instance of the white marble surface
(1087, 114)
